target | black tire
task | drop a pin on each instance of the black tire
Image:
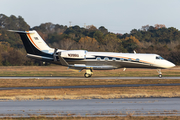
(87, 75)
(160, 75)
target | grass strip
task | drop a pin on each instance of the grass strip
(78, 82)
(92, 93)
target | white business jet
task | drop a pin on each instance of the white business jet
(36, 48)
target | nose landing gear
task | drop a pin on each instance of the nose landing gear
(160, 73)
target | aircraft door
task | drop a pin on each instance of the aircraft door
(85, 52)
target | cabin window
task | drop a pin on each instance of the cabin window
(106, 59)
(129, 59)
(114, 59)
(137, 59)
(159, 58)
(98, 58)
(122, 59)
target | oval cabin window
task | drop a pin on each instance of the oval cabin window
(137, 59)
(106, 59)
(98, 58)
(114, 59)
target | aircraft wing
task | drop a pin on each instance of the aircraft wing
(83, 66)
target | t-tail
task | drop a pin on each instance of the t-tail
(35, 45)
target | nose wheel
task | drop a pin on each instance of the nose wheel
(88, 73)
(160, 73)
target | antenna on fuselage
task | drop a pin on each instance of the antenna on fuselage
(70, 23)
(134, 52)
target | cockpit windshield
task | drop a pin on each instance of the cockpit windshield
(159, 57)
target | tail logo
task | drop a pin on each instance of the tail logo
(36, 38)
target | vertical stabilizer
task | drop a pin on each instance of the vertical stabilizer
(33, 43)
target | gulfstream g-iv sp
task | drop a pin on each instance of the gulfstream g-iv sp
(81, 59)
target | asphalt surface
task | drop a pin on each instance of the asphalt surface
(90, 86)
(91, 108)
(60, 77)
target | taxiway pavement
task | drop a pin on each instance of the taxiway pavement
(91, 108)
(63, 77)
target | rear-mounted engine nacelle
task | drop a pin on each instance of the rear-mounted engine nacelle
(81, 54)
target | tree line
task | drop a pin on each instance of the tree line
(148, 39)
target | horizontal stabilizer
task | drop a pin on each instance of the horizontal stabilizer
(21, 31)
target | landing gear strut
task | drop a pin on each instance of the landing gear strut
(88, 73)
(160, 73)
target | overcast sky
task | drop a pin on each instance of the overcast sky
(118, 16)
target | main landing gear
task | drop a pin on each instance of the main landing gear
(160, 73)
(88, 73)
